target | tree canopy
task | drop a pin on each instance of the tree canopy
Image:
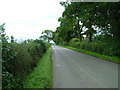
(91, 15)
(91, 22)
(47, 35)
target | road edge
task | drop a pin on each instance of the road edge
(103, 57)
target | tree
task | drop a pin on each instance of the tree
(103, 15)
(47, 35)
(66, 29)
(72, 12)
(108, 18)
(56, 38)
(92, 19)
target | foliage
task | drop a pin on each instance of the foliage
(47, 44)
(19, 59)
(102, 15)
(75, 42)
(56, 38)
(9, 79)
(91, 15)
(47, 35)
(42, 44)
(95, 24)
(26, 58)
(98, 47)
(41, 77)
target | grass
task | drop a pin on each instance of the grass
(108, 58)
(41, 77)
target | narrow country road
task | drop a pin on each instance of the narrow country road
(72, 69)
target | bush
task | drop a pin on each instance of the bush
(75, 42)
(98, 47)
(19, 59)
(43, 44)
(47, 44)
(9, 80)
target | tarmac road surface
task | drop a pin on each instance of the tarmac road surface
(73, 69)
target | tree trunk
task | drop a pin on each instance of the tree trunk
(115, 30)
(90, 37)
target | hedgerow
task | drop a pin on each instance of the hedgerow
(19, 59)
(108, 48)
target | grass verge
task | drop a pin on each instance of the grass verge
(108, 58)
(41, 77)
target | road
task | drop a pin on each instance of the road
(72, 69)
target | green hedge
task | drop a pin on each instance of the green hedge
(110, 49)
(19, 59)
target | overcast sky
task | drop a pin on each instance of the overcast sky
(26, 19)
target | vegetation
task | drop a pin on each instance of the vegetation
(88, 27)
(41, 77)
(47, 35)
(91, 26)
(19, 59)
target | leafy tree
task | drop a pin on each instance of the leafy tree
(47, 35)
(108, 18)
(93, 20)
(72, 12)
(66, 30)
(102, 15)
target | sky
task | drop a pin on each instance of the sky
(26, 19)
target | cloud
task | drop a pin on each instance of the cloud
(28, 18)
